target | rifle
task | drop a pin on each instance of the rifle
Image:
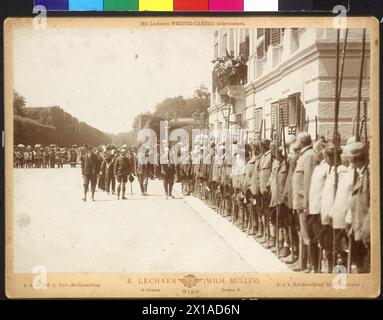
(357, 138)
(335, 137)
(316, 128)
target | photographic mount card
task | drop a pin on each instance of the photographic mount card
(82, 93)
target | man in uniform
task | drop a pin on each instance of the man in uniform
(89, 172)
(46, 157)
(121, 170)
(292, 221)
(358, 216)
(52, 157)
(73, 157)
(108, 168)
(58, 158)
(143, 170)
(168, 172)
(255, 191)
(264, 171)
(301, 189)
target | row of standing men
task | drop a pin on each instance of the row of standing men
(308, 203)
(288, 199)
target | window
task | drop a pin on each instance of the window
(260, 33)
(244, 47)
(261, 49)
(274, 115)
(258, 114)
(275, 36)
(263, 43)
(296, 111)
(279, 116)
(267, 38)
(224, 44)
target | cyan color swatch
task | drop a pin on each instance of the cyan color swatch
(86, 5)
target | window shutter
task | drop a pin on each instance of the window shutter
(274, 112)
(275, 36)
(283, 112)
(257, 119)
(261, 50)
(296, 111)
(244, 47)
(267, 38)
(260, 33)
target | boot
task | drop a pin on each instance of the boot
(309, 267)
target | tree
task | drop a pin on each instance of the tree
(202, 92)
(18, 104)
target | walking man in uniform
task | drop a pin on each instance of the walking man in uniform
(121, 168)
(89, 172)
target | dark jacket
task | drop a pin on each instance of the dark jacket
(168, 170)
(89, 166)
(121, 166)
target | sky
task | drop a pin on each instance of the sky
(105, 77)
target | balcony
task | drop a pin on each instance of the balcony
(229, 71)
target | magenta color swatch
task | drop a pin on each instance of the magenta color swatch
(226, 5)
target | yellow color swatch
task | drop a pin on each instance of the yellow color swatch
(156, 5)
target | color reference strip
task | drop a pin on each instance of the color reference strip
(184, 5)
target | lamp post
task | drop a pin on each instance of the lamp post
(226, 110)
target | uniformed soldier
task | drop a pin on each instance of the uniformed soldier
(73, 157)
(168, 172)
(246, 190)
(255, 191)
(276, 157)
(318, 179)
(108, 168)
(264, 171)
(19, 158)
(284, 234)
(37, 157)
(89, 172)
(358, 216)
(301, 188)
(52, 157)
(143, 170)
(121, 171)
(58, 158)
(46, 157)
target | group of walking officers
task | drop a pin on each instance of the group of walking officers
(308, 202)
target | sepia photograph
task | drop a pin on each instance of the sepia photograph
(192, 157)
